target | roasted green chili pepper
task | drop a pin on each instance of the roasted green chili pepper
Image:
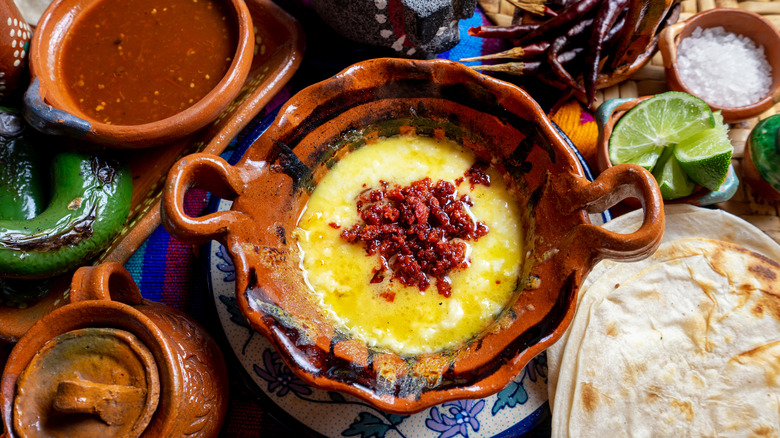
(89, 205)
(23, 180)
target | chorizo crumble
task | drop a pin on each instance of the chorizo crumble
(418, 231)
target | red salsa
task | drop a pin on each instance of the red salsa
(131, 62)
(418, 231)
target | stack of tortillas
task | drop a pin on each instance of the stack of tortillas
(684, 343)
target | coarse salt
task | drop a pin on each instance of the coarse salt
(724, 68)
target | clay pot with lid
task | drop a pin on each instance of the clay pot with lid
(112, 364)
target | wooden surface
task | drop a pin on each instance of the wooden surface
(651, 79)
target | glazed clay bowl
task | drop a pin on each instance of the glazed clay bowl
(738, 21)
(51, 108)
(608, 115)
(15, 37)
(189, 369)
(501, 124)
(760, 168)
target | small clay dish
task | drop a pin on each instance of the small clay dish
(608, 115)
(105, 378)
(738, 21)
(320, 125)
(761, 166)
(112, 364)
(15, 36)
(52, 106)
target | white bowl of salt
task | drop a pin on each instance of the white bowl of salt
(730, 58)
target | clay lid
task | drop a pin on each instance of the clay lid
(92, 382)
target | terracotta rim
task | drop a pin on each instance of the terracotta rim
(44, 60)
(726, 17)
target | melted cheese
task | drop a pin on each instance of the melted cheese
(416, 321)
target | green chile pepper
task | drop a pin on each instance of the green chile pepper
(89, 205)
(23, 195)
(23, 177)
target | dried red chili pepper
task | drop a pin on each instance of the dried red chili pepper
(506, 32)
(607, 15)
(569, 14)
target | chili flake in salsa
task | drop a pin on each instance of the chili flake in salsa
(131, 62)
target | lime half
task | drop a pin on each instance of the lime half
(643, 132)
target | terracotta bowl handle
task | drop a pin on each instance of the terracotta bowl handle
(108, 281)
(48, 119)
(612, 186)
(667, 44)
(210, 173)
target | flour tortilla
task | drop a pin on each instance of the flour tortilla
(682, 221)
(32, 9)
(687, 346)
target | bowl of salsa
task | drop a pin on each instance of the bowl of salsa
(136, 73)
(410, 232)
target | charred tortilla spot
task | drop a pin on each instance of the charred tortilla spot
(590, 397)
(685, 407)
(612, 330)
(768, 304)
(763, 272)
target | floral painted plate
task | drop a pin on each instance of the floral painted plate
(513, 411)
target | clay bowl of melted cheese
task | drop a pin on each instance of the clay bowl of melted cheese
(410, 232)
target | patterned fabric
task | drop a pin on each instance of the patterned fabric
(171, 272)
(580, 126)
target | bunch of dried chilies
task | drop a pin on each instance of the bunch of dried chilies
(581, 45)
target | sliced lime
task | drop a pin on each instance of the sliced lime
(705, 157)
(672, 180)
(642, 133)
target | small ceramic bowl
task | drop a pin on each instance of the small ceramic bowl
(15, 37)
(608, 115)
(186, 388)
(50, 108)
(502, 125)
(761, 166)
(738, 21)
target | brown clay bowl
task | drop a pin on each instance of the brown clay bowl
(15, 35)
(501, 124)
(50, 108)
(609, 113)
(193, 384)
(738, 21)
